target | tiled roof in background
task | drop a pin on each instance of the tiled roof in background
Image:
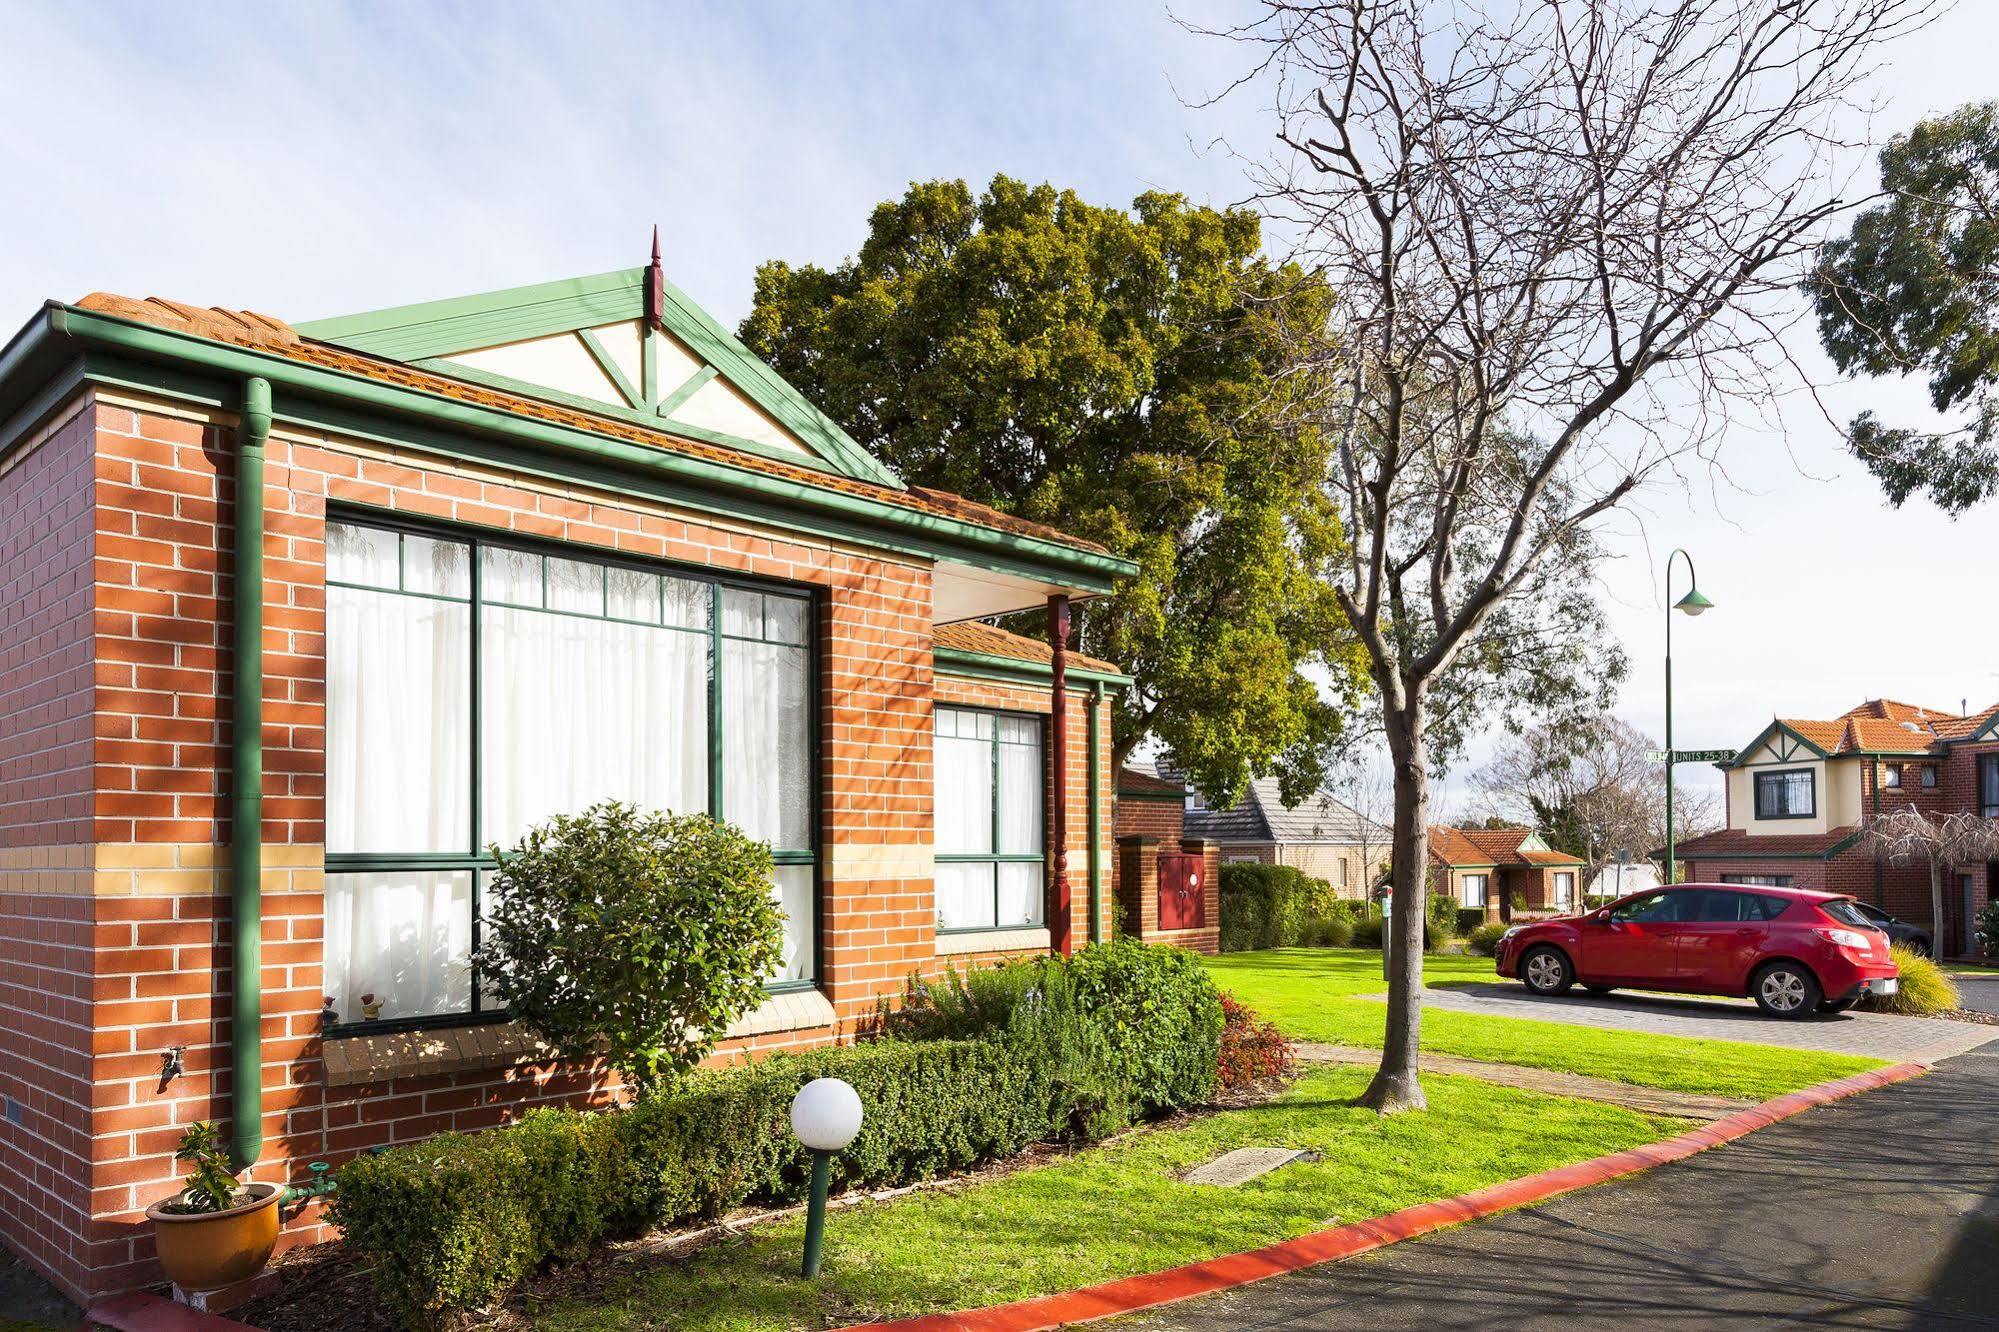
(972, 636)
(1733, 842)
(1261, 818)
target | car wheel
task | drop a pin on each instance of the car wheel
(1787, 990)
(1832, 1006)
(1547, 971)
(1599, 989)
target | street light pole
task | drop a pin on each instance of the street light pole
(1692, 604)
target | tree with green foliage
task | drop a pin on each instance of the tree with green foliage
(1115, 374)
(1913, 288)
(639, 934)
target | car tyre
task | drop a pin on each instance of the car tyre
(1547, 971)
(1832, 1007)
(1786, 990)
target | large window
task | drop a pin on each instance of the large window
(1790, 794)
(1471, 889)
(475, 688)
(990, 865)
(1988, 785)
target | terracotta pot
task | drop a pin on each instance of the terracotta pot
(210, 1250)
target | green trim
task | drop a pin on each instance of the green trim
(1168, 798)
(246, 782)
(467, 323)
(1774, 728)
(1096, 814)
(693, 384)
(588, 337)
(964, 664)
(649, 342)
(352, 404)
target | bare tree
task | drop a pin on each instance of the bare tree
(1561, 237)
(1591, 789)
(1363, 786)
(1908, 836)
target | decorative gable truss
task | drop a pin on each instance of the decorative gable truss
(1777, 743)
(626, 343)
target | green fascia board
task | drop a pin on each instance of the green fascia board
(1012, 670)
(435, 329)
(184, 364)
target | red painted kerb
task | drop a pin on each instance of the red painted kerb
(1323, 1246)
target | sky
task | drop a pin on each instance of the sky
(308, 160)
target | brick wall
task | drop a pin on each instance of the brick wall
(46, 964)
(146, 922)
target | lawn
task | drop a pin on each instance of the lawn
(1312, 994)
(1117, 1210)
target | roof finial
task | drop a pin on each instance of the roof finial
(655, 285)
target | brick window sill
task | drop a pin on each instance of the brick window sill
(352, 1060)
(993, 941)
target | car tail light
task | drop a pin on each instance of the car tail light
(1849, 939)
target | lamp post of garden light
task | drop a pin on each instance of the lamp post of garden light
(1691, 604)
(826, 1114)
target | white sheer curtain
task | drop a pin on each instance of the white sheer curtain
(575, 710)
(987, 894)
(402, 936)
(767, 742)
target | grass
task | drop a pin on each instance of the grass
(1116, 1210)
(1312, 994)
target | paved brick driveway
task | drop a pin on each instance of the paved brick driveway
(1877, 1035)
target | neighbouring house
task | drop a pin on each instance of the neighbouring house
(500, 557)
(1504, 872)
(1800, 794)
(1621, 880)
(1320, 835)
(1165, 880)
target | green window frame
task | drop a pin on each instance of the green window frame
(1775, 790)
(997, 725)
(801, 631)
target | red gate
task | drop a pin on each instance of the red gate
(1182, 891)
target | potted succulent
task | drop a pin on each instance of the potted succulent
(215, 1231)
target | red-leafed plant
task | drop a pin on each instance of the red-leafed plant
(1253, 1051)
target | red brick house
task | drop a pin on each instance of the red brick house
(1164, 901)
(1800, 794)
(506, 555)
(1503, 872)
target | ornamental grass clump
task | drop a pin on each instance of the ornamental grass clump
(632, 933)
(1923, 990)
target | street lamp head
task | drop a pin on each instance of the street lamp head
(826, 1114)
(1693, 603)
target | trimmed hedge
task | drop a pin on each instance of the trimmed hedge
(1278, 906)
(454, 1222)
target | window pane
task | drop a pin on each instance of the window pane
(964, 790)
(575, 586)
(440, 568)
(1019, 893)
(512, 576)
(398, 739)
(688, 605)
(579, 710)
(794, 898)
(767, 742)
(965, 896)
(633, 595)
(742, 613)
(361, 555)
(403, 937)
(1020, 799)
(785, 619)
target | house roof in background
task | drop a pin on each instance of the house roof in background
(1498, 847)
(1261, 817)
(1139, 782)
(1884, 726)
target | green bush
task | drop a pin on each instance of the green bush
(1986, 924)
(1367, 934)
(638, 932)
(1485, 939)
(1273, 906)
(1467, 920)
(1057, 1049)
(1440, 920)
(1924, 989)
(1332, 932)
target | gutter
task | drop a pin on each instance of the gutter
(1090, 571)
(984, 665)
(246, 784)
(1096, 814)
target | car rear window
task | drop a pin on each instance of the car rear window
(1847, 912)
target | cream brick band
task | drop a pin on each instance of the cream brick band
(152, 869)
(846, 861)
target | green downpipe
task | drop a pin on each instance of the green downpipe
(246, 785)
(1096, 789)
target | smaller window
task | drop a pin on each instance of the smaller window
(1891, 776)
(1929, 775)
(1759, 880)
(1790, 794)
(1343, 871)
(1472, 890)
(1565, 888)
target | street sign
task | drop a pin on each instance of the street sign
(1690, 755)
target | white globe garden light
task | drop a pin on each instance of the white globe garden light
(826, 1114)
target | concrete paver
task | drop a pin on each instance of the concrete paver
(1876, 1035)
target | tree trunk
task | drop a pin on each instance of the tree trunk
(1396, 1086)
(1936, 907)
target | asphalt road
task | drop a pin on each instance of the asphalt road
(1980, 992)
(1879, 1211)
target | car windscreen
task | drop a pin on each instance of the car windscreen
(1847, 912)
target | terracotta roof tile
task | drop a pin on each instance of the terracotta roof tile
(1825, 734)
(972, 636)
(1453, 847)
(1735, 842)
(262, 333)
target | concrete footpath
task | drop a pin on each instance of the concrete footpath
(1879, 1211)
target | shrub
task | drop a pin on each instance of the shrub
(1272, 906)
(1367, 934)
(646, 932)
(1467, 920)
(1440, 921)
(1485, 939)
(1161, 1014)
(1253, 1051)
(1332, 932)
(1924, 989)
(1986, 925)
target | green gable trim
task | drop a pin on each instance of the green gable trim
(1773, 729)
(592, 344)
(440, 329)
(670, 404)
(134, 354)
(1012, 670)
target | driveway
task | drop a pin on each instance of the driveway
(1878, 1211)
(1877, 1035)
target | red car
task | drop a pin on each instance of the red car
(1793, 952)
